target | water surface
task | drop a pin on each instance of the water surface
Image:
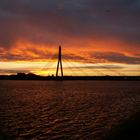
(69, 110)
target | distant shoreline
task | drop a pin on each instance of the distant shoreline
(30, 76)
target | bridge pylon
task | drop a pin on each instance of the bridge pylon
(59, 64)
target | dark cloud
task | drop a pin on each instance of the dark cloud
(40, 56)
(27, 55)
(74, 57)
(50, 21)
(116, 57)
(100, 67)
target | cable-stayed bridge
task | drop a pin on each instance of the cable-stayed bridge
(76, 69)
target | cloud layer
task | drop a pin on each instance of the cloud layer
(72, 23)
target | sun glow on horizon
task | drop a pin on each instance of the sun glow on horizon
(70, 68)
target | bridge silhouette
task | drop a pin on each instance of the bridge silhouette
(99, 68)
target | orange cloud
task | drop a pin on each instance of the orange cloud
(77, 50)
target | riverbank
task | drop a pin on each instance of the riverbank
(31, 76)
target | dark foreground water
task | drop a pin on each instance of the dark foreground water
(66, 110)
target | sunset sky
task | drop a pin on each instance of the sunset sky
(98, 37)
